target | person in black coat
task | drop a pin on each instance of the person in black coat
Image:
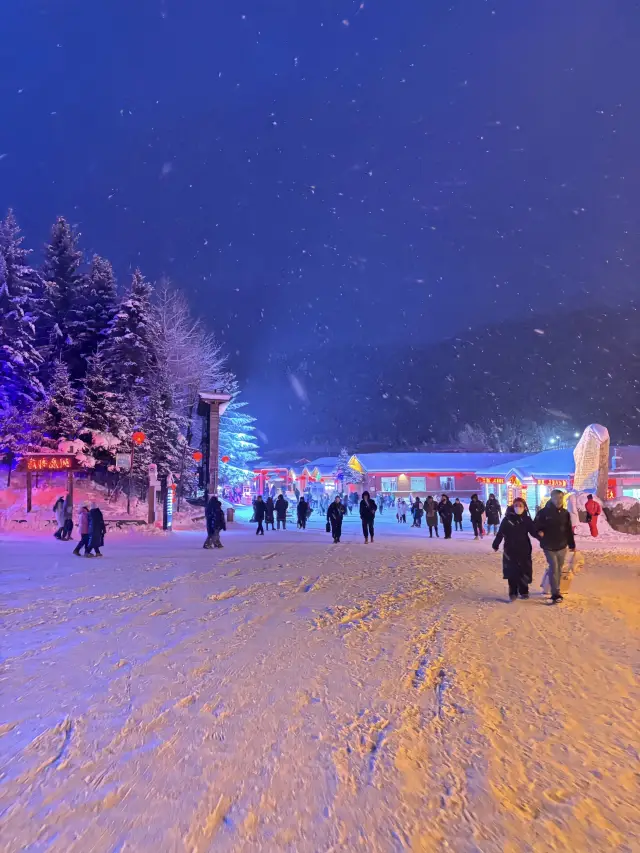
(281, 511)
(97, 530)
(259, 513)
(417, 513)
(335, 514)
(516, 530)
(368, 510)
(493, 511)
(431, 511)
(303, 514)
(445, 511)
(458, 509)
(214, 515)
(269, 513)
(476, 511)
(555, 530)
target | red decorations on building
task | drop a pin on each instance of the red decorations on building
(495, 481)
(556, 484)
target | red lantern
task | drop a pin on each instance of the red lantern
(138, 437)
(197, 456)
(225, 459)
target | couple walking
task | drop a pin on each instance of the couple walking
(552, 527)
(337, 511)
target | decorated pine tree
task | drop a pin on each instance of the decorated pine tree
(345, 474)
(130, 344)
(61, 326)
(56, 417)
(237, 440)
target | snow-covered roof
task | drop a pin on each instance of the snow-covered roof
(560, 463)
(437, 463)
(324, 463)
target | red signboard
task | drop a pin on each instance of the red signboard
(554, 483)
(497, 481)
(48, 463)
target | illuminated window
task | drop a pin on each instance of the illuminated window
(418, 484)
(388, 484)
(447, 484)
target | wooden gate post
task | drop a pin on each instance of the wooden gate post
(29, 489)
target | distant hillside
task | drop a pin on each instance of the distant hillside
(583, 367)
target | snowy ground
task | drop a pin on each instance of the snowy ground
(289, 694)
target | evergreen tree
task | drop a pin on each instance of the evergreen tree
(103, 408)
(237, 439)
(57, 417)
(92, 313)
(344, 472)
(130, 345)
(61, 325)
(164, 442)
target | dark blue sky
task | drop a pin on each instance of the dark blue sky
(323, 171)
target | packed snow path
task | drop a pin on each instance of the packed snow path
(289, 694)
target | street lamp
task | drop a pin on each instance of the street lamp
(197, 456)
(137, 437)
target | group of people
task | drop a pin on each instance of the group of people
(450, 513)
(551, 527)
(91, 526)
(337, 511)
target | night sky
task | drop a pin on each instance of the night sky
(331, 171)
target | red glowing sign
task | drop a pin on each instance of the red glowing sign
(48, 463)
(497, 481)
(554, 483)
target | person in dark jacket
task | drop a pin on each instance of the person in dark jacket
(516, 531)
(553, 524)
(476, 511)
(417, 513)
(97, 530)
(68, 519)
(493, 512)
(303, 514)
(458, 509)
(431, 511)
(214, 515)
(259, 513)
(335, 514)
(368, 509)
(445, 511)
(281, 511)
(269, 512)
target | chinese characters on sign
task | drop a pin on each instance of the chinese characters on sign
(50, 463)
(557, 484)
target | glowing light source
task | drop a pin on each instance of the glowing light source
(138, 437)
(197, 456)
(225, 459)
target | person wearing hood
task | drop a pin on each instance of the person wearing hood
(281, 511)
(554, 527)
(335, 514)
(259, 512)
(214, 515)
(269, 512)
(445, 511)
(368, 510)
(303, 513)
(516, 531)
(493, 512)
(68, 519)
(401, 513)
(458, 509)
(83, 528)
(476, 511)
(97, 530)
(417, 513)
(593, 510)
(58, 510)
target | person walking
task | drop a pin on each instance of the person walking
(401, 513)
(476, 511)
(269, 513)
(97, 530)
(493, 512)
(214, 515)
(368, 510)
(516, 531)
(58, 511)
(445, 511)
(335, 514)
(83, 529)
(259, 513)
(417, 513)
(281, 511)
(458, 509)
(593, 509)
(553, 524)
(67, 528)
(303, 512)
(431, 511)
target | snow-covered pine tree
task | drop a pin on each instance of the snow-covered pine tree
(92, 313)
(130, 344)
(237, 439)
(103, 409)
(164, 442)
(344, 472)
(62, 325)
(56, 416)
